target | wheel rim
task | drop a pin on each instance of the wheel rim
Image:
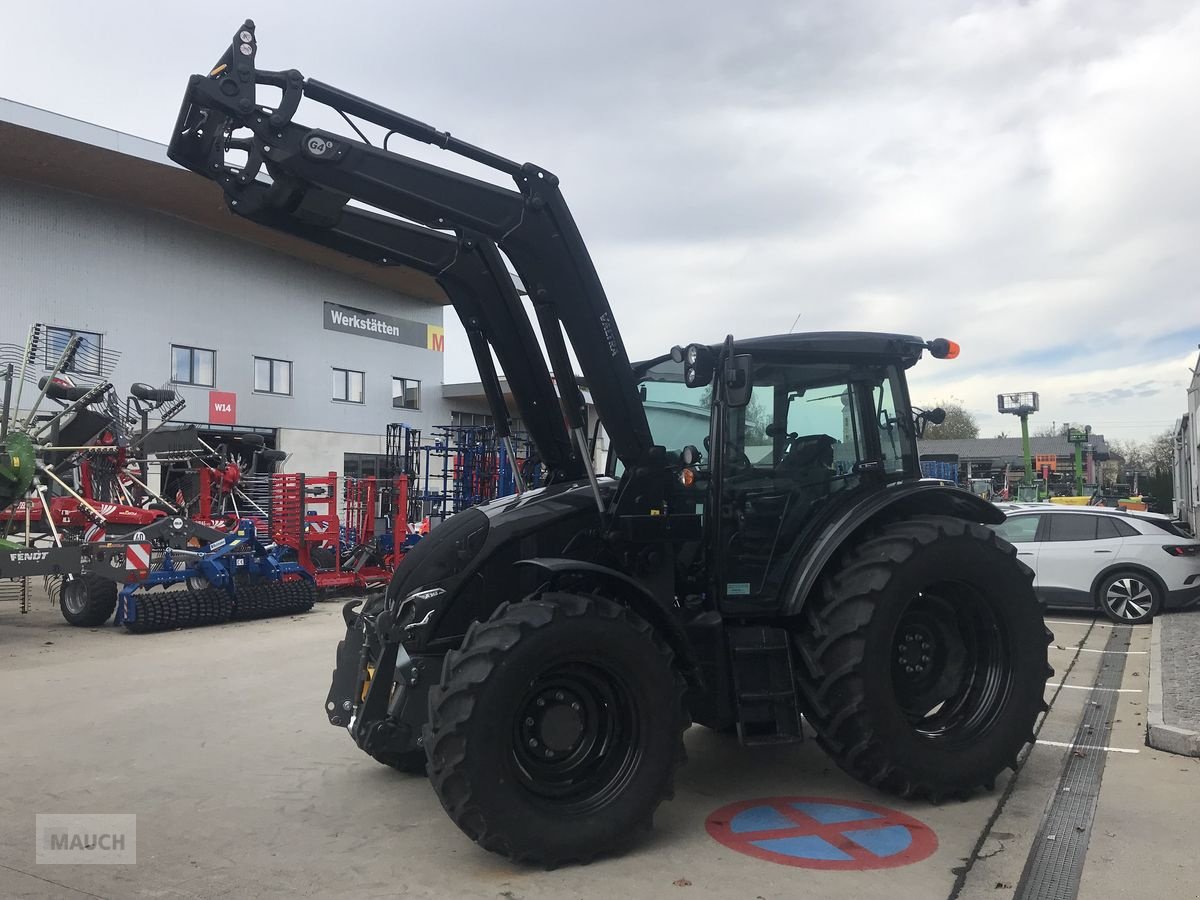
(1129, 598)
(575, 742)
(74, 596)
(951, 666)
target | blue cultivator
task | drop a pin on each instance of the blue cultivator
(232, 576)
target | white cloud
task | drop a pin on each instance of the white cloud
(1019, 176)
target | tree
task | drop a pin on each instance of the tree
(757, 420)
(1003, 435)
(1132, 453)
(1052, 430)
(1160, 453)
(960, 423)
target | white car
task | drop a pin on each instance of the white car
(1130, 565)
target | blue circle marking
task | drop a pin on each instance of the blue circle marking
(823, 834)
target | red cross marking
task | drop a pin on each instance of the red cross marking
(923, 840)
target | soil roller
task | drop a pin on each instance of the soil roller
(233, 576)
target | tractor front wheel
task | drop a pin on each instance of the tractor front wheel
(924, 658)
(556, 729)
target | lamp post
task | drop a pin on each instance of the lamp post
(1022, 405)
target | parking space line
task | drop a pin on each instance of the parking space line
(1123, 652)
(1086, 747)
(1091, 623)
(1087, 622)
(1084, 687)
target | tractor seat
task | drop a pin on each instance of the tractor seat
(151, 394)
(57, 390)
(808, 451)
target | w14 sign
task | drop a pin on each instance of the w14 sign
(222, 407)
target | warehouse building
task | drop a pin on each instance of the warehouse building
(1186, 495)
(102, 236)
(990, 457)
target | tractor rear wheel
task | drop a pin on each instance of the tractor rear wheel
(924, 658)
(87, 600)
(556, 729)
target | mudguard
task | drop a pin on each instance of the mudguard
(639, 598)
(910, 498)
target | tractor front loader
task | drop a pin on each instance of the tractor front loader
(762, 548)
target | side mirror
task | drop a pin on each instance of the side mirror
(923, 417)
(738, 383)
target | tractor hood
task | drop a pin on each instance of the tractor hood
(466, 565)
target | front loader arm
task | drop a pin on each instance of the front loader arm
(471, 272)
(531, 225)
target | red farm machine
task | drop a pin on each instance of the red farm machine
(78, 509)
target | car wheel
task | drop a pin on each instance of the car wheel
(1129, 598)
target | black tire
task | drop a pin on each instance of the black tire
(324, 558)
(87, 600)
(583, 681)
(410, 762)
(924, 658)
(1129, 597)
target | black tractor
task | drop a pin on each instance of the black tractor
(760, 550)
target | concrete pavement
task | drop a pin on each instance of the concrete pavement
(1174, 715)
(216, 739)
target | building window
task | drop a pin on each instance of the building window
(469, 420)
(192, 365)
(88, 355)
(348, 385)
(272, 376)
(406, 393)
(365, 465)
(483, 420)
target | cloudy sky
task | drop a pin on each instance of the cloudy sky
(1023, 177)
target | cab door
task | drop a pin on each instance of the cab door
(793, 450)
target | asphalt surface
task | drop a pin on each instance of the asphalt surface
(217, 741)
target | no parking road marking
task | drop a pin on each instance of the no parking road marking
(822, 833)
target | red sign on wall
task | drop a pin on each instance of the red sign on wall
(222, 407)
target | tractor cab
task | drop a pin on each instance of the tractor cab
(822, 420)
